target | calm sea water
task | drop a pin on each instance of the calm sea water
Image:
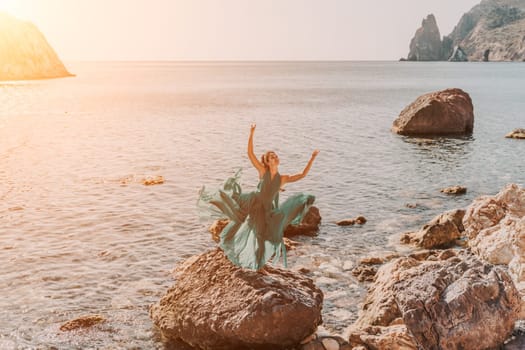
(80, 234)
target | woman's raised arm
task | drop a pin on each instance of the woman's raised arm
(253, 158)
(292, 178)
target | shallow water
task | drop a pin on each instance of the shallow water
(80, 234)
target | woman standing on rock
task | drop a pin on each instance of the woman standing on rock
(255, 232)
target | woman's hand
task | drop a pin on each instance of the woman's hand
(315, 153)
(252, 128)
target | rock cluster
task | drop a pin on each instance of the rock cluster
(495, 226)
(438, 300)
(217, 305)
(448, 111)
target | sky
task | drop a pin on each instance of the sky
(88, 30)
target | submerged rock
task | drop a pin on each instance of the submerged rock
(452, 301)
(454, 190)
(25, 53)
(153, 180)
(443, 112)
(360, 220)
(82, 322)
(217, 305)
(441, 232)
(516, 134)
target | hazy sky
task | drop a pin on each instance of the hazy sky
(234, 29)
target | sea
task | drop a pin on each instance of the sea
(80, 233)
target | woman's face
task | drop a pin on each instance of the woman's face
(273, 158)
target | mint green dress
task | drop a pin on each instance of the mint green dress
(254, 234)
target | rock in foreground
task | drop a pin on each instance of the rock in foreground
(441, 232)
(448, 300)
(25, 53)
(495, 226)
(217, 305)
(443, 112)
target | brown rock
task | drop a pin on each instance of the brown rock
(155, 180)
(495, 226)
(82, 322)
(366, 270)
(216, 228)
(440, 232)
(217, 305)
(516, 134)
(346, 222)
(443, 112)
(290, 244)
(365, 273)
(309, 225)
(360, 220)
(454, 301)
(327, 343)
(454, 190)
(395, 337)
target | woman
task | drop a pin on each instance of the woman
(257, 221)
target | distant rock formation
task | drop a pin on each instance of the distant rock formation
(24, 52)
(493, 30)
(458, 55)
(437, 113)
(426, 44)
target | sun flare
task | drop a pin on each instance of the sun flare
(10, 6)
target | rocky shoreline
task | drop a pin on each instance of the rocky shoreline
(460, 287)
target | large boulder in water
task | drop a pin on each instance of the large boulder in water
(25, 53)
(437, 113)
(217, 305)
(439, 300)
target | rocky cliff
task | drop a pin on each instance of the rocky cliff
(25, 53)
(426, 44)
(493, 30)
